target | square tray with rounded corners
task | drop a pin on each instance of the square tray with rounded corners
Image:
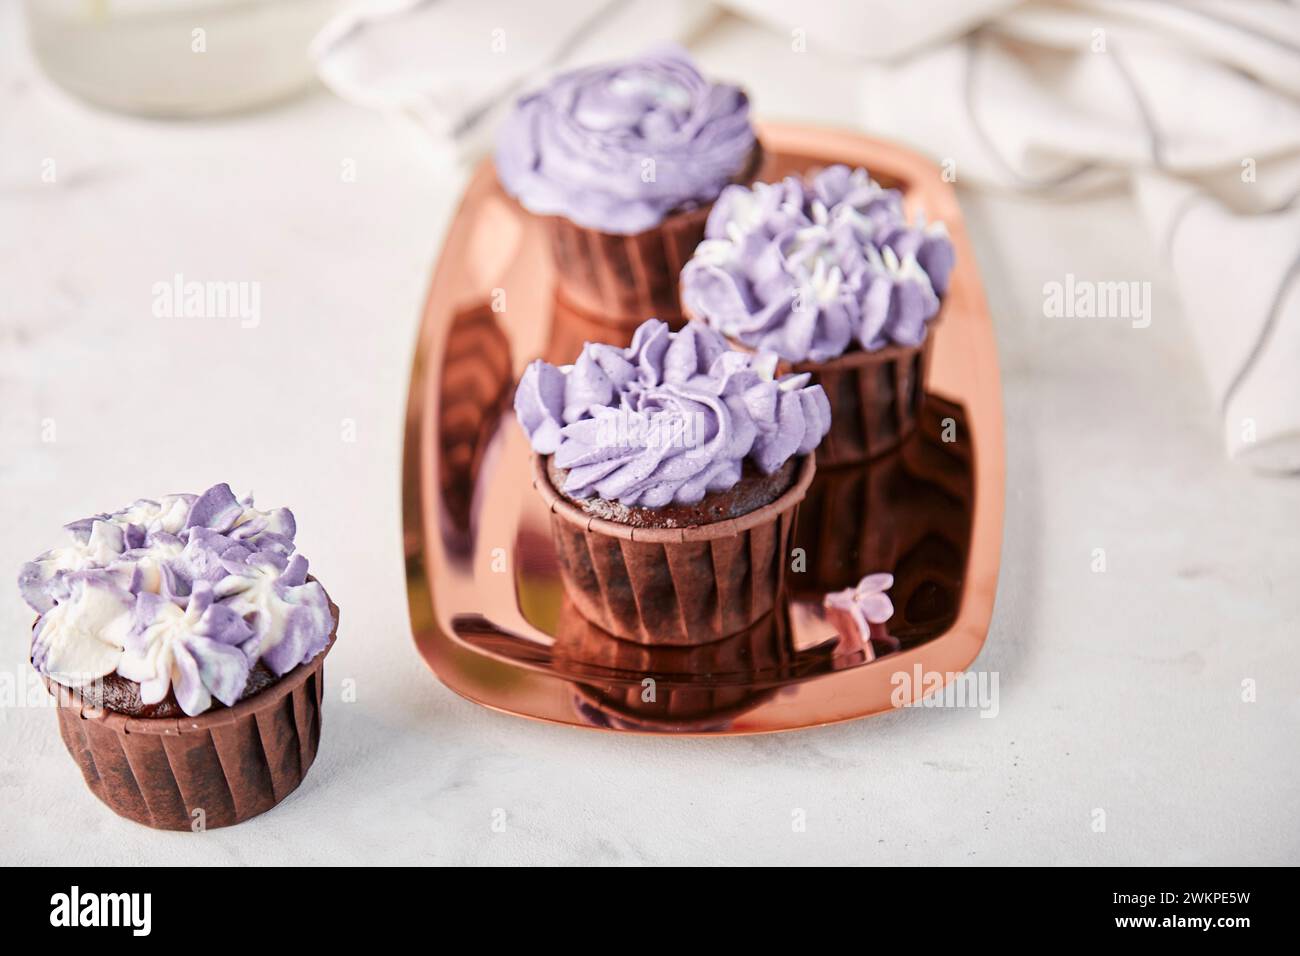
(487, 607)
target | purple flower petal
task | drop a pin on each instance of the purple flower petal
(876, 608)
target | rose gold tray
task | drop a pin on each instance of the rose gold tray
(487, 608)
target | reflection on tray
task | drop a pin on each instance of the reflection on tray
(475, 386)
(571, 329)
(689, 689)
(907, 513)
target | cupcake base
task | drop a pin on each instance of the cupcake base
(624, 280)
(619, 279)
(199, 773)
(673, 586)
(875, 399)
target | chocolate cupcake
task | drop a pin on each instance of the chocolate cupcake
(672, 469)
(625, 160)
(827, 273)
(184, 642)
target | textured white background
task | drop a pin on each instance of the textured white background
(1119, 691)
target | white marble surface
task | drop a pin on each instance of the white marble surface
(1120, 691)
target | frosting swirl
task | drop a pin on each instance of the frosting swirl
(619, 147)
(808, 269)
(182, 595)
(668, 419)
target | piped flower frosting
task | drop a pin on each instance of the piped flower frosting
(620, 146)
(811, 268)
(183, 595)
(668, 419)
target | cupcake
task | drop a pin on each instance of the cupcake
(625, 160)
(672, 469)
(184, 642)
(827, 273)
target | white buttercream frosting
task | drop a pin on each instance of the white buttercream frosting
(182, 595)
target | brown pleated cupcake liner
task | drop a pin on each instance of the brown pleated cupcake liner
(875, 399)
(622, 280)
(231, 763)
(673, 586)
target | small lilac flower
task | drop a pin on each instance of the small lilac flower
(854, 610)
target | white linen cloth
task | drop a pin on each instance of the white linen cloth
(453, 67)
(1195, 105)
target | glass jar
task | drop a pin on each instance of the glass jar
(177, 58)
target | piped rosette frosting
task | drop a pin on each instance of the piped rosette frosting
(184, 595)
(618, 147)
(669, 419)
(811, 268)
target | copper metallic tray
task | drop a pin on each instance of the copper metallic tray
(487, 608)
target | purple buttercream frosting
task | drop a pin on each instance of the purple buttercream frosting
(619, 147)
(184, 595)
(811, 268)
(668, 419)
